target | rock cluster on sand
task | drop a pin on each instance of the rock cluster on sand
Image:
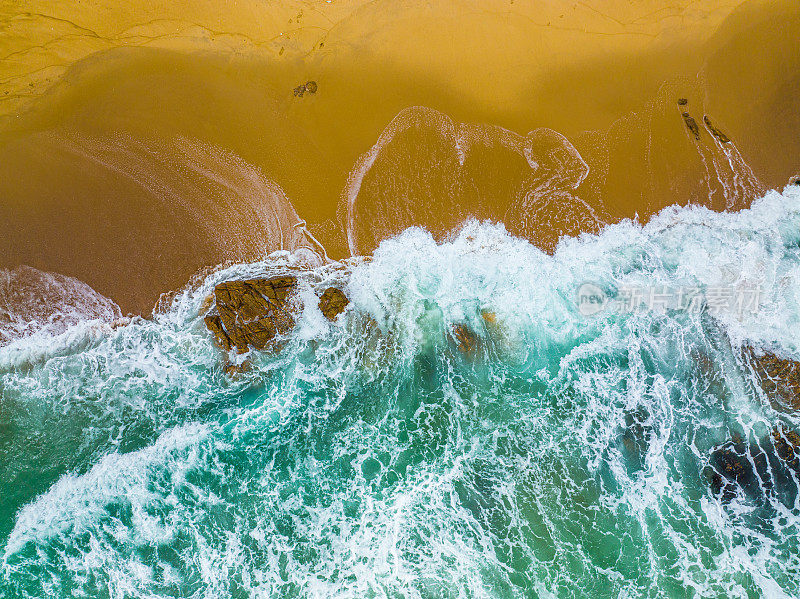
(309, 86)
(252, 313)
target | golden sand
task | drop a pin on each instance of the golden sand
(142, 141)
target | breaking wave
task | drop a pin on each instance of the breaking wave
(371, 457)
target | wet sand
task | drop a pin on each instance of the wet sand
(140, 145)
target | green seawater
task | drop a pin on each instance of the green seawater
(566, 457)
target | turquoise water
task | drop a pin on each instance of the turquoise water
(371, 458)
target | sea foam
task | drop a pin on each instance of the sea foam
(370, 457)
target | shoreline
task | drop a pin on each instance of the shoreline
(144, 161)
(55, 300)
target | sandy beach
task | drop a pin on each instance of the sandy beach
(139, 145)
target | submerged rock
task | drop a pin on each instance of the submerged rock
(332, 303)
(736, 466)
(635, 437)
(779, 378)
(465, 338)
(766, 469)
(787, 447)
(232, 369)
(251, 313)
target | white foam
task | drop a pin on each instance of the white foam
(420, 537)
(75, 502)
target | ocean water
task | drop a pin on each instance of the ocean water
(370, 457)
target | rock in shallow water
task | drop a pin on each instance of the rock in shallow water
(787, 447)
(767, 468)
(332, 303)
(465, 339)
(779, 378)
(214, 324)
(251, 313)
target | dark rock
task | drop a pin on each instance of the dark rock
(691, 124)
(715, 132)
(787, 447)
(310, 87)
(779, 378)
(636, 438)
(766, 469)
(737, 466)
(682, 101)
(251, 313)
(332, 303)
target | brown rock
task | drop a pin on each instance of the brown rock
(787, 446)
(276, 290)
(332, 303)
(311, 86)
(682, 101)
(779, 378)
(251, 313)
(691, 124)
(465, 338)
(214, 324)
(716, 132)
(232, 369)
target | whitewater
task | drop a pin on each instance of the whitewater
(567, 456)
